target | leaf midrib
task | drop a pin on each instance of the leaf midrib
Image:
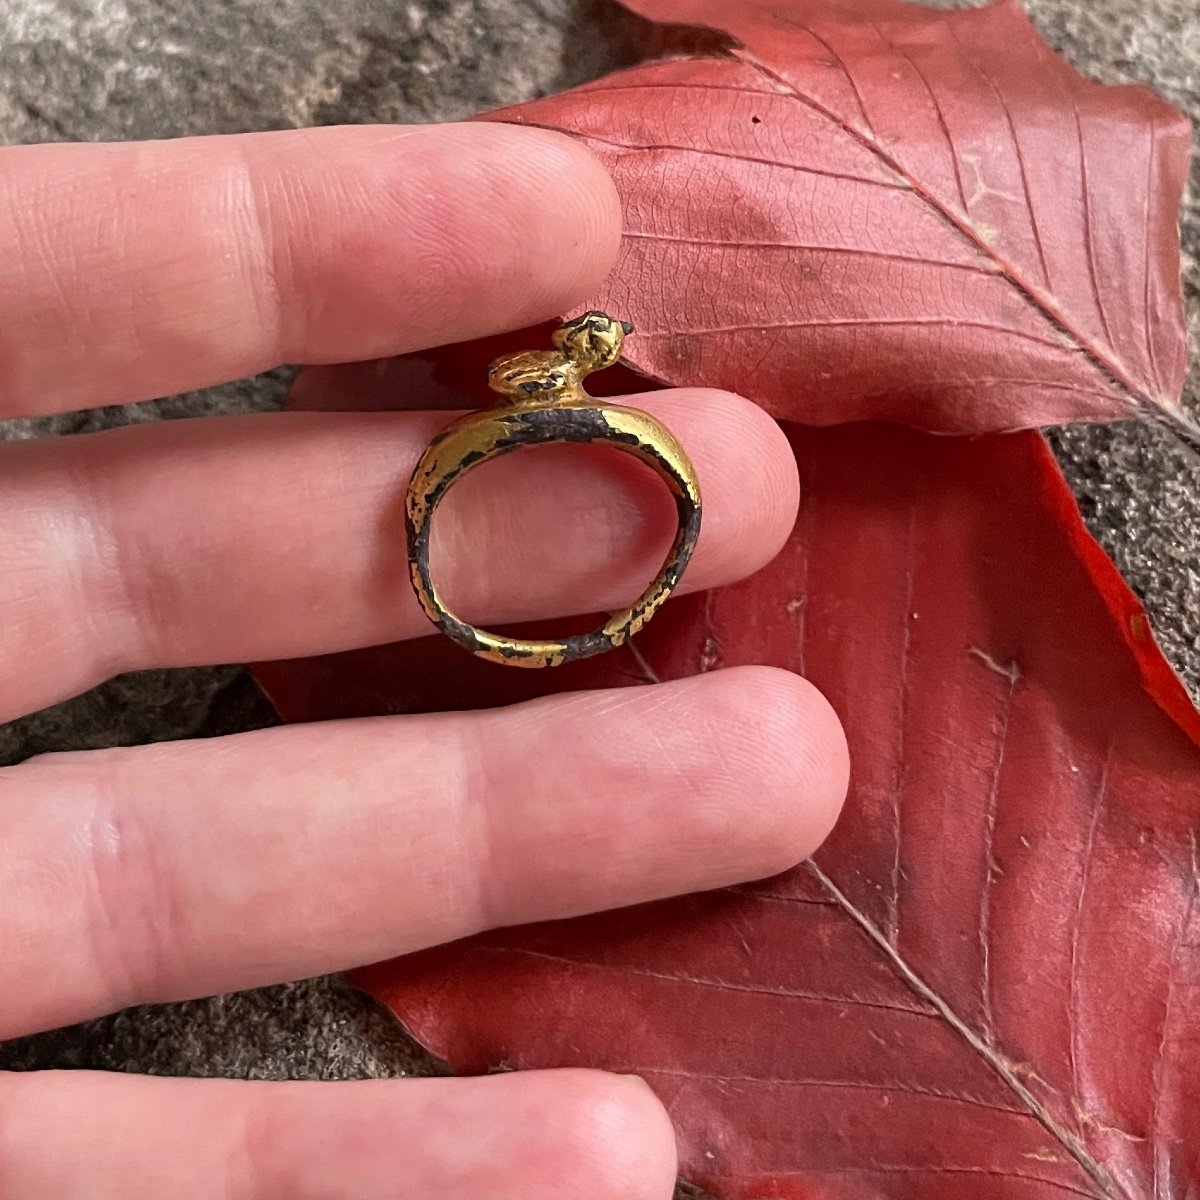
(1109, 364)
(1099, 1175)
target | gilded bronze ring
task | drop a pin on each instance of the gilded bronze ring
(541, 400)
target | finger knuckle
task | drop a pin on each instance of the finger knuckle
(133, 922)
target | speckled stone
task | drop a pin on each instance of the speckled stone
(103, 69)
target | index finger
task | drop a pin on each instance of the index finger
(135, 270)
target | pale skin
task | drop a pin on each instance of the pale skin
(158, 873)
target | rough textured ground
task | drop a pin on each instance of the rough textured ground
(102, 69)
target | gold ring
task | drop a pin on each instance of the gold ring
(541, 400)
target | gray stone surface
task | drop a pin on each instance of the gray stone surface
(103, 69)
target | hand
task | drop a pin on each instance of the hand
(168, 871)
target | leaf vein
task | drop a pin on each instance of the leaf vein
(1151, 350)
(833, 1084)
(990, 868)
(903, 699)
(720, 985)
(1108, 363)
(1095, 1170)
(649, 673)
(1088, 233)
(1162, 1186)
(1006, 109)
(1077, 917)
(939, 112)
(896, 185)
(869, 322)
(973, 268)
(838, 61)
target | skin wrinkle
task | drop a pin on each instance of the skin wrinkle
(659, 766)
(135, 922)
(48, 560)
(245, 1164)
(77, 889)
(267, 260)
(453, 876)
(30, 573)
(12, 1109)
(491, 872)
(119, 604)
(695, 770)
(264, 1161)
(104, 930)
(167, 284)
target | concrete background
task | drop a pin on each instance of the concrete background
(104, 69)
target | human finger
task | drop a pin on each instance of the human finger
(189, 868)
(537, 1135)
(280, 536)
(133, 270)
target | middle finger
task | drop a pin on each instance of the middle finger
(279, 536)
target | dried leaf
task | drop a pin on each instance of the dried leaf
(988, 982)
(871, 209)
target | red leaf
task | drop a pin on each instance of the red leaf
(988, 983)
(871, 209)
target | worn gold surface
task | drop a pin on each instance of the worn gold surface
(541, 401)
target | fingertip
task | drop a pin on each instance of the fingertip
(804, 754)
(780, 754)
(327, 245)
(446, 233)
(749, 482)
(612, 1135)
(587, 216)
(534, 1135)
(717, 779)
(545, 227)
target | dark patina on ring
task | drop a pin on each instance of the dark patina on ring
(541, 401)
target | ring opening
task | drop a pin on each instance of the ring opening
(551, 530)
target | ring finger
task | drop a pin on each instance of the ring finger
(187, 868)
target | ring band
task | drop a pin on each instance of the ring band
(543, 402)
